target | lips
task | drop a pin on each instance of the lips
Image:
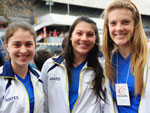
(120, 36)
(84, 44)
(23, 58)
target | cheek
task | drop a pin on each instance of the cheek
(110, 31)
(12, 53)
(93, 41)
(32, 50)
(74, 41)
(10, 49)
(132, 31)
(7, 48)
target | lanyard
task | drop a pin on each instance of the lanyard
(117, 71)
(122, 91)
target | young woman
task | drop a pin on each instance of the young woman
(73, 81)
(21, 90)
(126, 56)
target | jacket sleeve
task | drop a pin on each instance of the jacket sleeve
(44, 77)
(2, 91)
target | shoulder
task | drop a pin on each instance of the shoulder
(1, 77)
(1, 69)
(148, 45)
(47, 64)
(2, 82)
(102, 62)
(36, 71)
(53, 61)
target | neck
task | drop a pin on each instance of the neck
(125, 50)
(20, 70)
(78, 60)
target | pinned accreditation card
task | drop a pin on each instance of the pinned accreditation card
(122, 95)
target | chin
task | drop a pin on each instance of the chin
(23, 62)
(121, 43)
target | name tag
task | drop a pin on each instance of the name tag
(122, 95)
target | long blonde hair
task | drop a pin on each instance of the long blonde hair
(139, 44)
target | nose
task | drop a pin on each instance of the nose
(84, 37)
(119, 27)
(23, 49)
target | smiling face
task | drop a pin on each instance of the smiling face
(121, 26)
(21, 47)
(83, 38)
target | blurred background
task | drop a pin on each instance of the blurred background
(52, 19)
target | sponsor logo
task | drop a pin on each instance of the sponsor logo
(55, 78)
(12, 98)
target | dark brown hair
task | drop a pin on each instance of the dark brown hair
(92, 57)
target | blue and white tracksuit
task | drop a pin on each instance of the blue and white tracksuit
(13, 94)
(56, 88)
(110, 106)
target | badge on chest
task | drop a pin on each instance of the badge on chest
(122, 95)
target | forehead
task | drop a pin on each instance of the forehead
(84, 26)
(120, 13)
(21, 35)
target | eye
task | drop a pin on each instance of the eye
(29, 44)
(112, 23)
(126, 22)
(16, 45)
(90, 34)
(79, 33)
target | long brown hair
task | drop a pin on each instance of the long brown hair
(138, 42)
(92, 57)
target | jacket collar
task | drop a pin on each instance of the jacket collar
(8, 71)
(59, 59)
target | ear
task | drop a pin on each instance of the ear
(6, 46)
(70, 38)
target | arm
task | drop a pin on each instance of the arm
(44, 77)
(1, 91)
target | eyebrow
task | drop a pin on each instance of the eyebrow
(20, 41)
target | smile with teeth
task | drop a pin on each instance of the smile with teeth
(120, 35)
(83, 45)
(23, 57)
